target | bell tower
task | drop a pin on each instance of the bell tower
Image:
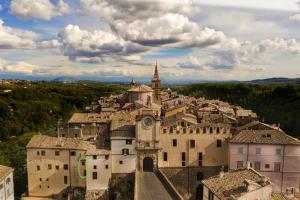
(156, 86)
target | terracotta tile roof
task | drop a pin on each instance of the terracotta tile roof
(89, 118)
(264, 137)
(282, 196)
(257, 125)
(233, 182)
(47, 142)
(140, 88)
(123, 124)
(4, 171)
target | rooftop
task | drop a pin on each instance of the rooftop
(123, 124)
(140, 88)
(4, 171)
(47, 142)
(264, 137)
(234, 183)
(89, 118)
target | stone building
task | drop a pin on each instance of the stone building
(6, 183)
(180, 138)
(239, 184)
(271, 152)
(55, 165)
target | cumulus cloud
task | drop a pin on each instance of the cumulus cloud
(162, 23)
(11, 38)
(77, 42)
(131, 9)
(47, 44)
(16, 67)
(169, 30)
(40, 9)
(295, 17)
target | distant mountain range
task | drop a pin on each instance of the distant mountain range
(279, 80)
(276, 81)
(65, 79)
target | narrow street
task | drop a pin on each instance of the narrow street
(151, 188)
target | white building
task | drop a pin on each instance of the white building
(6, 183)
(98, 169)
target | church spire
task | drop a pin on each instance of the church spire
(156, 76)
(156, 85)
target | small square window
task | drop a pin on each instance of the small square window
(38, 168)
(278, 152)
(43, 153)
(57, 153)
(106, 166)
(66, 166)
(94, 157)
(165, 155)
(83, 163)
(40, 179)
(106, 157)
(57, 167)
(174, 142)
(95, 166)
(128, 141)
(183, 156)
(72, 153)
(267, 166)
(49, 166)
(258, 151)
(183, 164)
(120, 162)
(241, 150)
(95, 175)
(219, 143)
(38, 153)
(192, 143)
(239, 164)
(277, 167)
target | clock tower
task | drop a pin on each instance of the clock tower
(147, 134)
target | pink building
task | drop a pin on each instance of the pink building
(271, 152)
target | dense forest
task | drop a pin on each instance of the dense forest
(274, 104)
(29, 107)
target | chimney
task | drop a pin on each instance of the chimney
(222, 172)
(248, 163)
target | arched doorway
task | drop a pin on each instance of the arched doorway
(148, 164)
(199, 192)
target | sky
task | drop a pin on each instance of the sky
(117, 40)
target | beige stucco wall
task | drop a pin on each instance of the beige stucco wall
(290, 163)
(204, 142)
(52, 180)
(7, 191)
(103, 174)
(129, 161)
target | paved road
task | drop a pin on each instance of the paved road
(151, 188)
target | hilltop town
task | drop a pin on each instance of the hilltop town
(151, 142)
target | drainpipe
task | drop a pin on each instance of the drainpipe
(248, 152)
(283, 155)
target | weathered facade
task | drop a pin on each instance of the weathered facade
(6, 183)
